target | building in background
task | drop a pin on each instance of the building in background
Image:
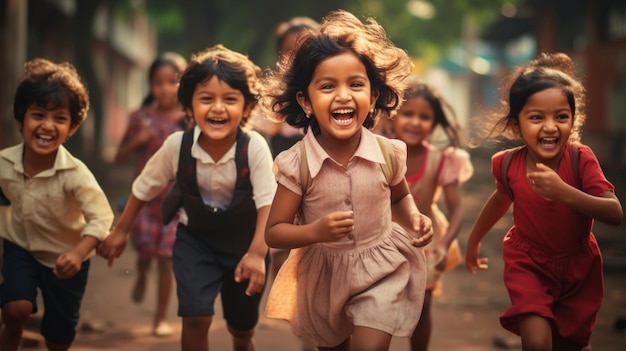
(119, 46)
(593, 33)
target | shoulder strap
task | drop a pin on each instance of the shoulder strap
(390, 167)
(506, 163)
(241, 160)
(305, 175)
(575, 156)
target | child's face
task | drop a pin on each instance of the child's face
(218, 109)
(45, 130)
(545, 124)
(414, 121)
(340, 96)
(164, 86)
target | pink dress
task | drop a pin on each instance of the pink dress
(149, 236)
(373, 278)
(553, 265)
(438, 169)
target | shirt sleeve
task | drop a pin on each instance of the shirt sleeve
(456, 166)
(287, 169)
(592, 178)
(159, 170)
(261, 175)
(399, 150)
(93, 203)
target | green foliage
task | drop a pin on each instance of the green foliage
(430, 38)
(252, 30)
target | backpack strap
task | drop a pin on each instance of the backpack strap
(390, 167)
(506, 163)
(575, 156)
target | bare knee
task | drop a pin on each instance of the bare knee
(242, 339)
(57, 347)
(15, 314)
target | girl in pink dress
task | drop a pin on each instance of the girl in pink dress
(553, 265)
(354, 278)
(432, 172)
(159, 116)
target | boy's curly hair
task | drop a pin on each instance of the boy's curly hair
(231, 67)
(340, 31)
(51, 85)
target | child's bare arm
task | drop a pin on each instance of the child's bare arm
(495, 207)
(406, 213)
(547, 183)
(282, 233)
(114, 244)
(252, 264)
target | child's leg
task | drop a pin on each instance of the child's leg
(242, 339)
(139, 289)
(165, 283)
(421, 335)
(14, 316)
(344, 346)
(536, 332)
(559, 343)
(368, 339)
(195, 334)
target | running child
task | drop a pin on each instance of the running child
(57, 212)
(431, 172)
(354, 278)
(159, 116)
(553, 265)
(225, 175)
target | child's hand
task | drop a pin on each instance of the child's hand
(67, 265)
(545, 182)
(252, 267)
(472, 261)
(440, 253)
(335, 226)
(113, 245)
(423, 227)
(143, 137)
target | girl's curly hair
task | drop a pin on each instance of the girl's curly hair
(340, 31)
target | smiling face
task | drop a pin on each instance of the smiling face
(545, 124)
(218, 109)
(414, 121)
(164, 86)
(339, 97)
(44, 131)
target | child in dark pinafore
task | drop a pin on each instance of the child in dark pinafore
(225, 173)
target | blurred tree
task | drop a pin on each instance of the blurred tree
(428, 28)
(425, 28)
(83, 60)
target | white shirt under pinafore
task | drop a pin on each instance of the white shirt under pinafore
(372, 278)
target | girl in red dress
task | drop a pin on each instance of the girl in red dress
(553, 266)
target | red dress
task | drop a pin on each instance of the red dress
(553, 265)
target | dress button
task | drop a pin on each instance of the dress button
(350, 236)
(347, 201)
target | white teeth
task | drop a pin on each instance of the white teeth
(45, 137)
(343, 111)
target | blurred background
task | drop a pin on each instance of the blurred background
(462, 47)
